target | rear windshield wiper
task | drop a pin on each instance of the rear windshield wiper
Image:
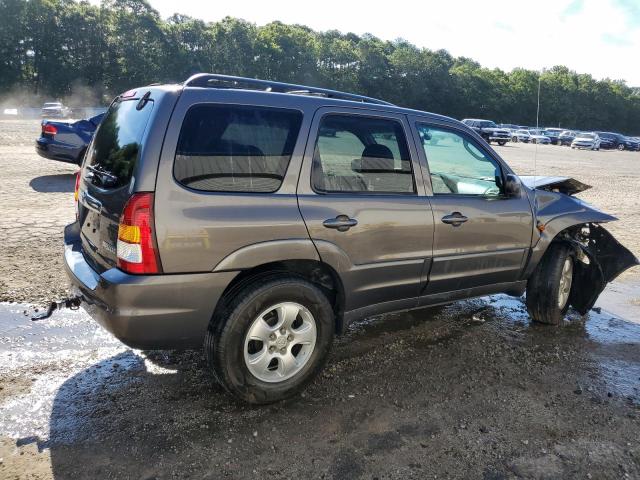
(106, 179)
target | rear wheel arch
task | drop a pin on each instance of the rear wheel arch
(318, 273)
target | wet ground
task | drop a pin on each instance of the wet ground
(471, 390)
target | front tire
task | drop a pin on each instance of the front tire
(549, 287)
(502, 143)
(271, 339)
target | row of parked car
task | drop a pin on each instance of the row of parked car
(503, 133)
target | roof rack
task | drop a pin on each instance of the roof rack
(212, 80)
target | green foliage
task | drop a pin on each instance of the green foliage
(51, 46)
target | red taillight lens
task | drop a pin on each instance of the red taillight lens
(136, 248)
(49, 129)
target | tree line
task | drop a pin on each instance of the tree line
(50, 47)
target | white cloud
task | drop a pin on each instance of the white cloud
(599, 37)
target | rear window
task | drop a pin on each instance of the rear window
(116, 146)
(235, 148)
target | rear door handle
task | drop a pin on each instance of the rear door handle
(456, 219)
(342, 223)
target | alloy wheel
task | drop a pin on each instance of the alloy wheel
(279, 342)
(566, 278)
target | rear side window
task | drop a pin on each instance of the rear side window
(235, 148)
(361, 154)
(118, 141)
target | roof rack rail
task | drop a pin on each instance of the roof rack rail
(212, 80)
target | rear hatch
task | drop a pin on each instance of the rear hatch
(107, 178)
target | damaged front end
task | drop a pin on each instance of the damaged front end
(561, 217)
(600, 259)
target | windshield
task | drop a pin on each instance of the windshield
(488, 124)
(118, 141)
(590, 136)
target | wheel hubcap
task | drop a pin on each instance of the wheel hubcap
(279, 342)
(566, 277)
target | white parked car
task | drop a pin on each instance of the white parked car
(55, 110)
(520, 135)
(537, 136)
(589, 141)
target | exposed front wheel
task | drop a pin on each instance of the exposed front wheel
(271, 340)
(549, 287)
(502, 142)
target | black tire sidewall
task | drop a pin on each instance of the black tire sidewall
(542, 287)
(229, 348)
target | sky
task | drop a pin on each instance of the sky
(600, 37)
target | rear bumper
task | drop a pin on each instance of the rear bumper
(52, 151)
(145, 311)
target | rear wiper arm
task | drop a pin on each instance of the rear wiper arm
(107, 179)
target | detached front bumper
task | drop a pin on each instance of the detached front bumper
(145, 311)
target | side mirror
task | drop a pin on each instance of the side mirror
(513, 186)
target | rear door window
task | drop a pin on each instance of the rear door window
(118, 141)
(235, 148)
(361, 154)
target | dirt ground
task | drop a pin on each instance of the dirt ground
(471, 390)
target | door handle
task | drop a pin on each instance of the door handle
(342, 223)
(456, 219)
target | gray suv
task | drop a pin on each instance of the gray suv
(260, 218)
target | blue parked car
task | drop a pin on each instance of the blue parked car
(66, 141)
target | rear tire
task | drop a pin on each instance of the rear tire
(279, 371)
(502, 143)
(549, 288)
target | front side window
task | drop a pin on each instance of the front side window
(458, 165)
(235, 148)
(361, 154)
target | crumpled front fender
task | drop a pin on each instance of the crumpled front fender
(555, 212)
(601, 258)
(607, 259)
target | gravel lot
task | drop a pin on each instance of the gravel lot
(471, 390)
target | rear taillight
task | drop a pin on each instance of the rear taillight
(76, 191)
(136, 248)
(49, 129)
(77, 188)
